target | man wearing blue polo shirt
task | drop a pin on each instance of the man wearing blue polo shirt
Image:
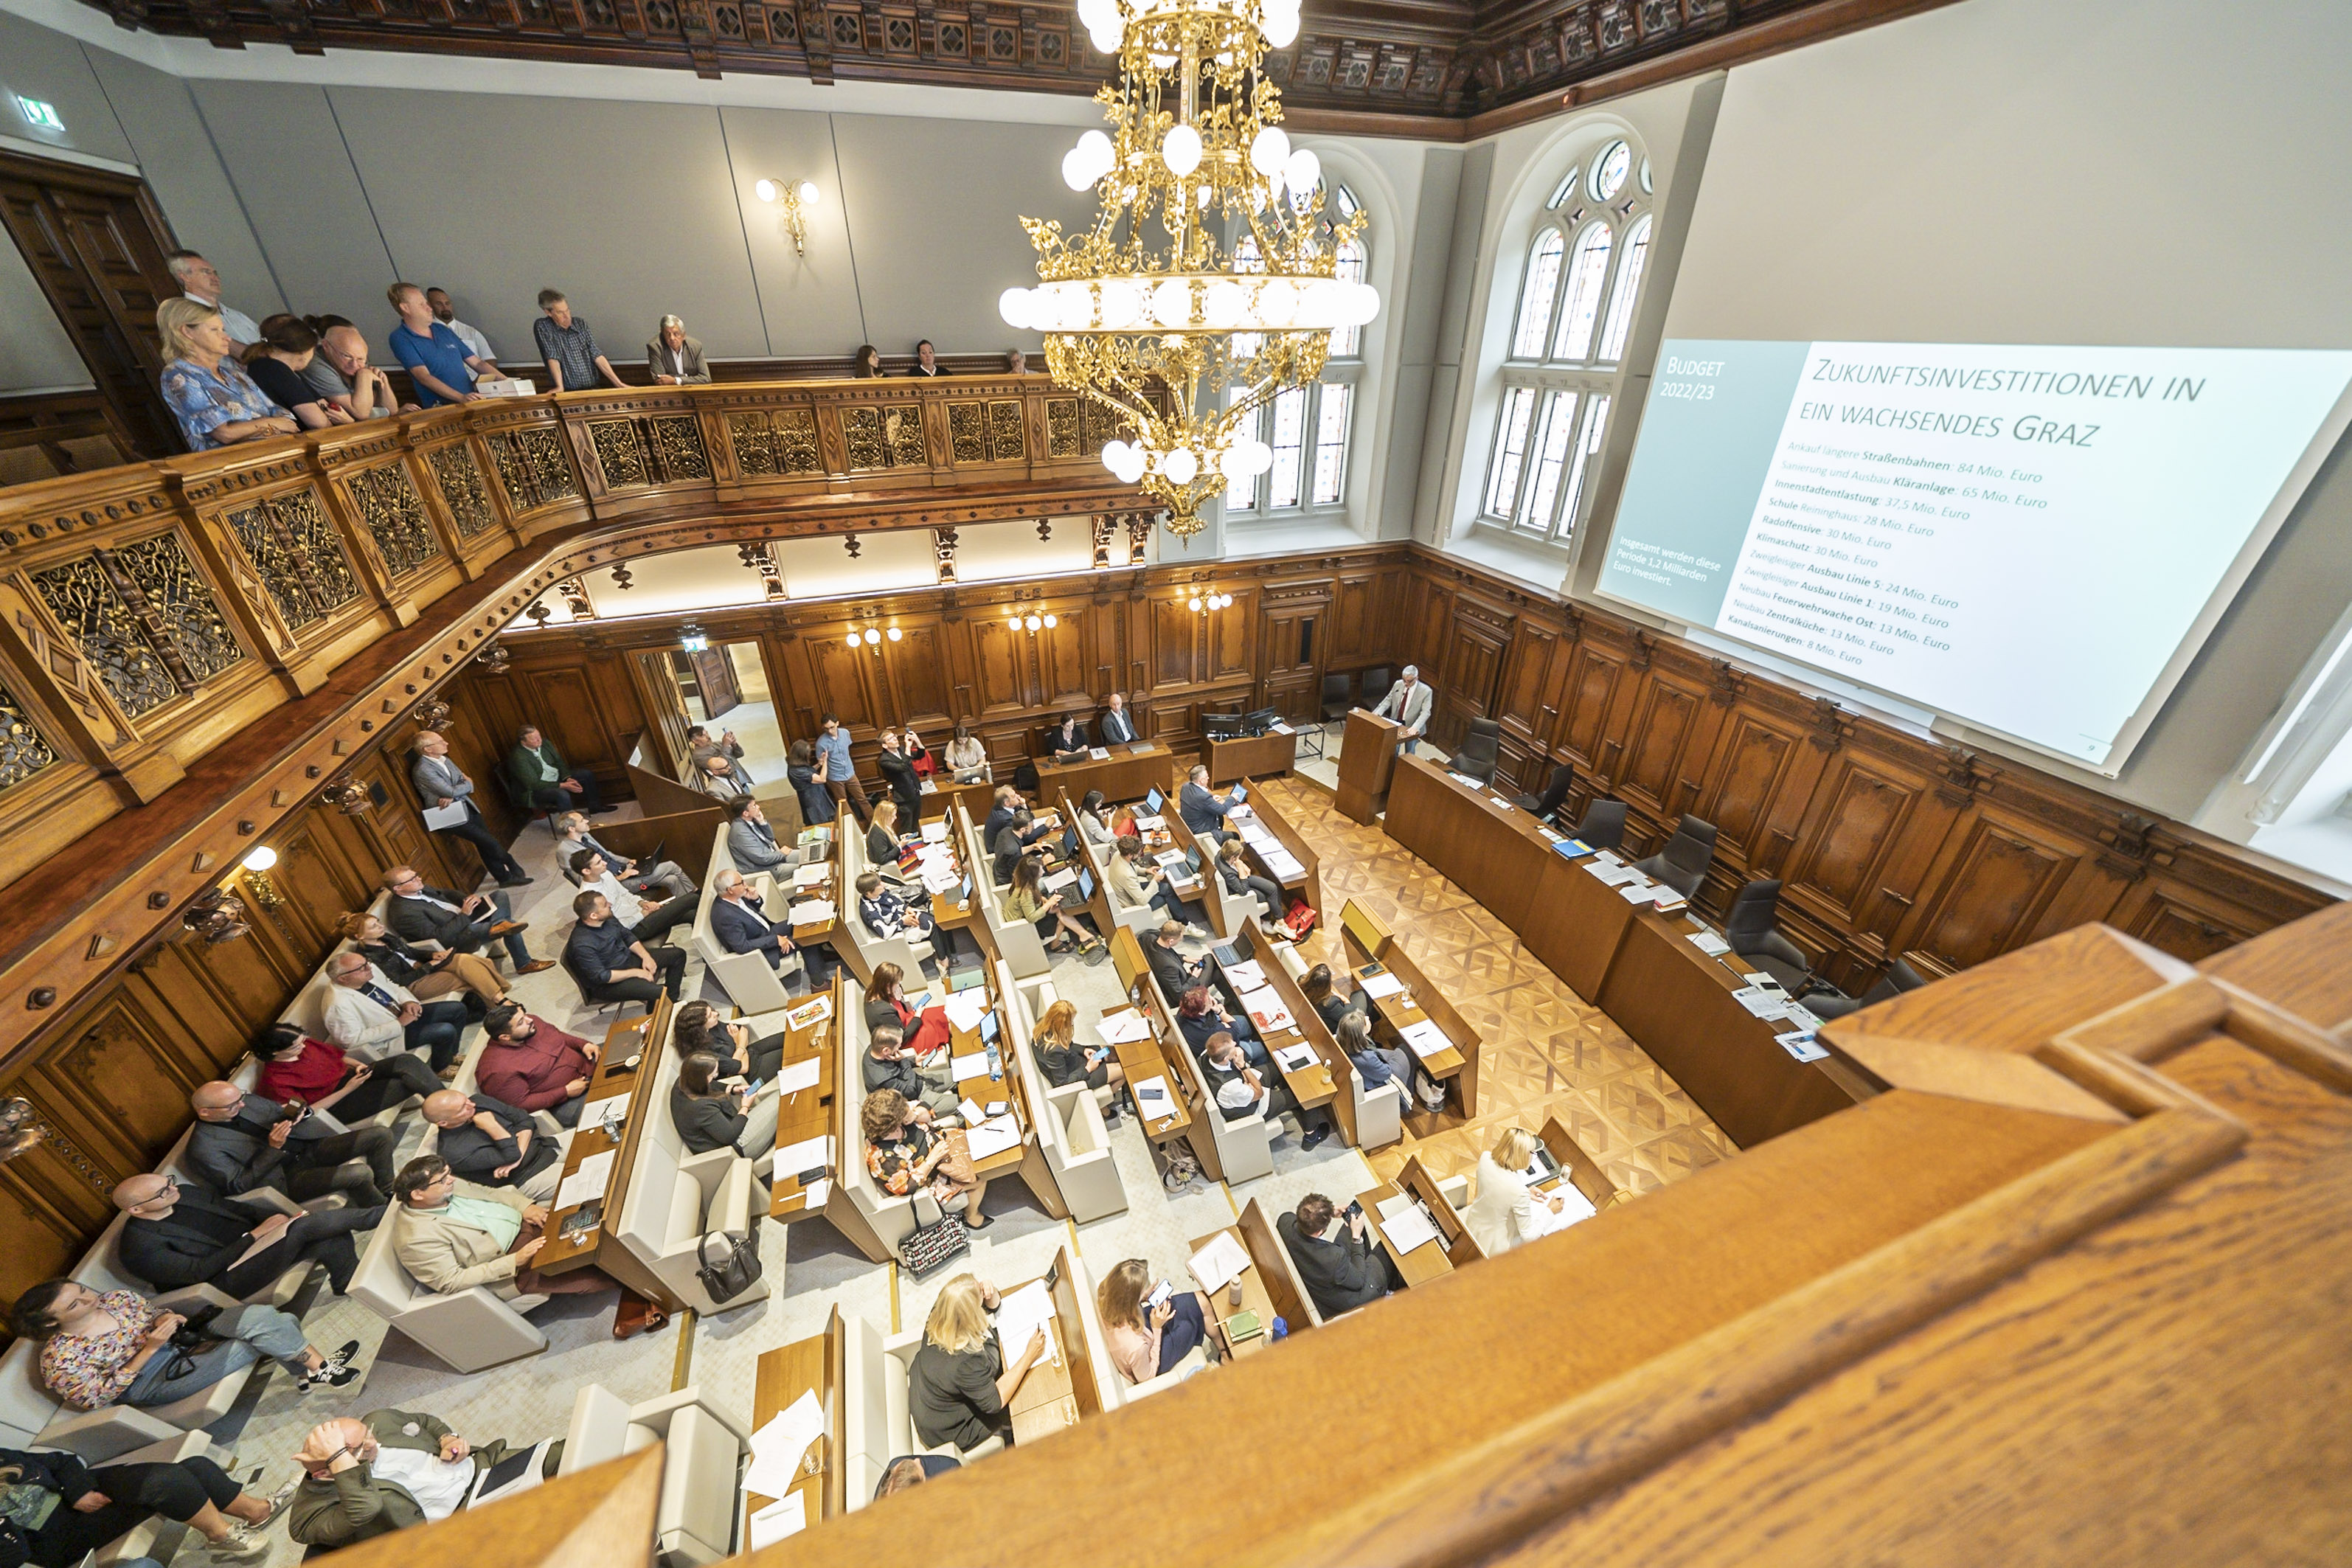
(436, 358)
(840, 773)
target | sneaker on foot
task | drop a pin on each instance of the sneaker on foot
(243, 1544)
(276, 1502)
(1314, 1138)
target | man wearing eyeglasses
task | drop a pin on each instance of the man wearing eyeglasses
(181, 1234)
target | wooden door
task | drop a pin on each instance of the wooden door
(1289, 633)
(97, 242)
(665, 743)
(716, 677)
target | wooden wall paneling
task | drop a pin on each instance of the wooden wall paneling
(1066, 659)
(1230, 642)
(2180, 918)
(1522, 694)
(842, 678)
(117, 1082)
(1293, 638)
(1662, 742)
(919, 680)
(400, 824)
(1872, 826)
(1754, 764)
(1428, 609)
(48, 1212)
(1359, 632)
(565, 705)
(1476, 636)
(1996, 877)
(1175, 639)
(1595, 675)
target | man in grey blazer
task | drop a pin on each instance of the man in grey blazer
(673, 358)
(750, 842)
(1408, 703)
(440, 782)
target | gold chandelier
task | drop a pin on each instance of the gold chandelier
(1221, 327)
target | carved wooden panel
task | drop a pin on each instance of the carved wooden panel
(1066, 658)
(2001, 879)
(1233, 639)
(918, 675)
(1858, 814)
(400, 828)
(1519, 702)
(1658, 746)
(2181, 922)
(565, 709)
(1358, 633)
(1428, 607)
(841, 681)
(1753, 762)
(1174, 631)
(999, 653)
(1592, 692)
(120, 1082)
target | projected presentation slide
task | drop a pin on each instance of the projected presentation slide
(2029, 538)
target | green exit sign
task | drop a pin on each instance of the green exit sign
(40, 116)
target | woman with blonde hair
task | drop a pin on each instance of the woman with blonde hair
(882, 834)
(428, 975)
(901, 1155)
(1064, 1062)
(1146, 1343)
(1027, 900)
(1503, 1216)
(206, 389)
(958, 1386)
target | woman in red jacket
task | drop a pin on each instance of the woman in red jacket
(886, 1003)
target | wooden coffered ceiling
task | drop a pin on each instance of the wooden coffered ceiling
(1438, 68)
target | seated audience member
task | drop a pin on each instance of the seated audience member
(1328, 1005)
(1503, 1213)
(867, 364)
(1006, 854)
(1011, 810)
(1016, 362)
(179, 1234)
(454, 1236)
(902, 1155)
(1175, 973)
(1202, 809)
(700, 748)
(666, 879)
(298, 1070)
(612, 964)
(1200, 1012)
(887, 914)
(371, 1016)
(207, 391)
(276, 364)
(1027, 900)
(898, 776)
(1144, 1342)
(967, 759)
(673, 358)
(911, 1470)
(888, 1064)
(926, 365)
(710, 1111)
(59, 1510)
(1064, 1062)
(1342, 1266)
(390, 1470)
(200, 282)
(531, 1065)
(439, 365)
(462, 923)
(242, 1142)
(116, 1347)
(697, 1026)
(1116, 727)
(715, 777)
(568, 347)
(430, 976)
(959, 1389)
(739, 920)
(1094, 819)
(1066, 742)
(546, 780)
(476, 343)
(925, 1028)
(1377, 1064)
(651, 921)
(493, 1145)
(801, 772)
(1241, 1092)
(1137, 879)
(882, 833)
(1240, 882)
(341, 374)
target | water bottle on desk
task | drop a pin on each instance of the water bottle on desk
(995, 1064)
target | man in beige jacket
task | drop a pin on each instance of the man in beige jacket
(454, 1236)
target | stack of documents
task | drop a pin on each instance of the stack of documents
(1382, 985)
(587, 1181)
(1707, 941)
(992, 1137)
(1221, 1262)
(810, 875)
(1150, 823)
(936, 831)
(808, 1154)
(1800, 1044)
(1119, 1028)
(1760, 1002)
(800, 1076)
(965, 1009)
(813, 912)
(937, 879)
(1404, 1224)
(1267, 1008)
(1426, 1039)
(1245, 975)
(779, 1448)
(1064, 878)
(1023, 1314)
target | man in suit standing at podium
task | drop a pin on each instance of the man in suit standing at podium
(1408, 703)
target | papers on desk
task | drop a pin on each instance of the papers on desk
(1246, 975)
(779, 1448)
(1064, 878)
(787, 1515)
(440, 816)
(1264, 1005)
(927, 786)
(608, 1114)
(1707, 942)
(800, 1076)
(1404, 1224)
(1285, 865)
(962, 1066)
(1382, 985)
(1426, 1039)
(1170, 858)
(1800, 1044)
(941, 880)
(1296, 1058)
(936, 831)
(1764, 980)
(1613, 873)
(810, 876)
(816, 1010)
(1465, 781)
(1099, 754)
(813, 912)
(968, 1109)
(1123, 1027)
(993, 1136)
(1151, 1101)
(1760, 1002)
(1573, 1207)
(1023, 1314)
(1640, 892)
(587, 1181)
(1140, 748)
(1797, 1013)
(808, 1154)
(1220, 1263)
(815, 1194)
(965, 1009)
(1150, 823)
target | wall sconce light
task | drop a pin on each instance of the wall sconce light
(1030, 623)
(216, 917)
(1202, 603)
(20, 1128)
(257, 864)
(691, 639)
(874, 640)
(351, 797)
(433, 714)
(797, 199)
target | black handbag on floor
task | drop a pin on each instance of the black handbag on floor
(737, 1272)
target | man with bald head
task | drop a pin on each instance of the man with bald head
(242, 1142)
(392, 1470)
(181, 1234)
(341, 374)
(494, 1144)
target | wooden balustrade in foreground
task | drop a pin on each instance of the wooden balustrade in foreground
(2074, 1274)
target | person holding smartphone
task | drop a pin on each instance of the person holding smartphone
(1150, 1330)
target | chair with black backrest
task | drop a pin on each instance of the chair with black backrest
(1682, 863)
(1554, 795)
(1752, 928)
(1375, 686)
(1899, 977)
(1602, 825)
(563, 956)
(1337, 699)
(1480, 749)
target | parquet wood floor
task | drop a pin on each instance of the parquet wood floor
(1546, 1051)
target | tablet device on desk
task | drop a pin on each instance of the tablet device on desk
(1241, 792)
(988, 1028)
(1085, 884)
(583, 1220)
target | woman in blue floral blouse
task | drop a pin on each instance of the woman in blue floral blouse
(209, 393)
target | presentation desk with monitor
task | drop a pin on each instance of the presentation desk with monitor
(1264, 757)
(1634, 963)
(1128, 771)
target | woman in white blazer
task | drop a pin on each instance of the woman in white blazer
(1503, 1216)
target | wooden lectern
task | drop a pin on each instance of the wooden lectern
(1366, 758)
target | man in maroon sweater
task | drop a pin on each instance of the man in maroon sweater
(531, 1065)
